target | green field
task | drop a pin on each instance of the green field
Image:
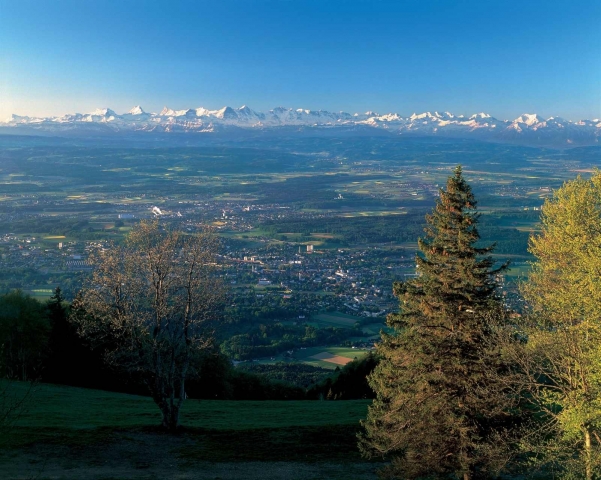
(52, 406)
(373, 329)
(67, 432)
(336, 319)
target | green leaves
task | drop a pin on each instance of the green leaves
(564, 346)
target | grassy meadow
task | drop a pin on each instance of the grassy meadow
(66, 432)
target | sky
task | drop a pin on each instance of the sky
(501, 57)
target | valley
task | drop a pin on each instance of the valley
(314, 230)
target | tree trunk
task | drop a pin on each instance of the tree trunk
(170, 416)
(588, 454)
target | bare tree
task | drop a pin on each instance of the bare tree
(153, 302)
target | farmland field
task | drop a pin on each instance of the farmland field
(317, 356)
(336, 318)
(331, 358)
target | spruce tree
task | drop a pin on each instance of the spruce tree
(440, 410)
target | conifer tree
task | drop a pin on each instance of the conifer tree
(440, 410)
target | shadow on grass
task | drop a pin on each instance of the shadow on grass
(335, 443)
(304, 444)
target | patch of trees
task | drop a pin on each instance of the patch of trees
(23, 278)
(39, 343)
(293, 373)
(16, 279)
(466, 389)
(508, 241)
(440, 404)
(273, 339)
(244, 385)
(255, 310)
(53, 225)
(24, 330)
(349, 383)
(393, 228)
(561, 361)
(46, 347)
(346, 383)
(355, 230)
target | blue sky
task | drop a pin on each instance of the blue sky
(405, 56)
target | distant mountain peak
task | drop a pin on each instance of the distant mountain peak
(137, 110)
(103, 112)
(226, 113)
(529, 119)
(420, 116)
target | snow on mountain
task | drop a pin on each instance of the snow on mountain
(527, 128)
(103, 112)
(422, 116)
(137, 110)
(529, 119)
(167, 112)
(17, 119)
(480, 115)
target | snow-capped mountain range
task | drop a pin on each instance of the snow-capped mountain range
(527, 128)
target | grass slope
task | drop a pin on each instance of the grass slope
(68, 432)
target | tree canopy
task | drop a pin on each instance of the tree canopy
(152, 304)
(24, 330)
(563, 354)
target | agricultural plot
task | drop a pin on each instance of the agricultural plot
(335, 319)
(518, 271)
(328, 357)
(331, 358)
(41, 293)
